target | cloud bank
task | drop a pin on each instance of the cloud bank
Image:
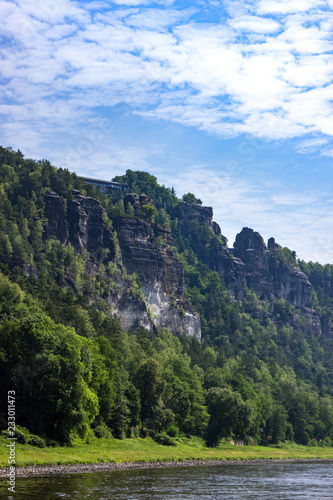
(262, 68)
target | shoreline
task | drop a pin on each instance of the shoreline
(44, 470)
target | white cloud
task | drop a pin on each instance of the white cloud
(156, 19)
(327, 152)
(213, 77)
(143, 2)
(292, 199)
(255, 24)
(311, 145)
(287, 6)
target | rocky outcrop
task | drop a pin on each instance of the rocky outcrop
(86, 227)
(82, 225)
(218, 257)
(142, 255)
(251, 249)
(203, 215)
(267, 273)
(138, 202)
(231, 270)
(56, 224)
(313, 321)
(161, 274)
(291, 285)
(144, 250)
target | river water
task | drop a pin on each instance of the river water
(267, 481)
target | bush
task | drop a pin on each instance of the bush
(51, 443)
(35, 440)
(23, 436)
(173, 431)
(134, 432)
(102, 431)
(164, 439)
(327, 441)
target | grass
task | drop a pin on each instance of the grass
(146, 450)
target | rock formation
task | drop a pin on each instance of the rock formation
(82, 226)
(56, 224)
(145, 250)
(86, 227)
(203, 215)
(251, 249)
(161, 273)
(231, 270)
(251, 263)
(152, 262)
(218, 258)
(267, 273)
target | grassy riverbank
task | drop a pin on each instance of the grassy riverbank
(146, 450)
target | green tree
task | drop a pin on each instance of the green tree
(278, 424)
(151, 386)
(229, 414)
(149, 212)
(190, 199)
(49, 367)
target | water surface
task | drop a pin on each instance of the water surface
(241, 481)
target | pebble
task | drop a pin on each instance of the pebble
(36, 470)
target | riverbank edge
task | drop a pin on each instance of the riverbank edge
(39, 470)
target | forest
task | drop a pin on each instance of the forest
(77, 372)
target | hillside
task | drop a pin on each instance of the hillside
(128, 314)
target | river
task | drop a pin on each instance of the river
(241, 481)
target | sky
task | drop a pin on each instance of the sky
(230, 100)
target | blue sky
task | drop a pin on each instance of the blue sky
(229, 100)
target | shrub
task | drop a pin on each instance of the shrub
(102, 431)
(35, 440)
(327, 441)
(23, 436)
(164, 439)
(173, 431)
(51, 443)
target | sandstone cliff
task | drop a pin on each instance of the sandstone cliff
(267, 273)
(217, 257)
(144, 250)
(82, 225)
(251, 263)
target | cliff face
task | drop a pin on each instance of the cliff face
(251, 263)
(82, 226)
(154, 263)
(161, 273)
(231, 270)
(56, 218)
(189, 213)
(145, 250)
(219, 259)
(266, 273)
(251, 249)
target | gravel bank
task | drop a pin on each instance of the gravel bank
(37, 470)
